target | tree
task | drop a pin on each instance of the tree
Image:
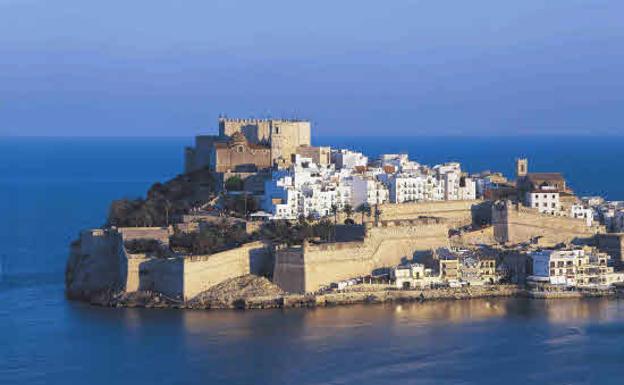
(324, 229)
(378, 213)
(348, 210)
(234, 183)
(240, 204)
(364, 209)
(334, 211)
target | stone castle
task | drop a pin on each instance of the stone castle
(248, 144)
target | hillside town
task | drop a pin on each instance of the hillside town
(259, 199)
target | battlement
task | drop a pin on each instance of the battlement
(259, 120)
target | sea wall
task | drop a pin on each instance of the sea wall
(516, 224)
(313, 266)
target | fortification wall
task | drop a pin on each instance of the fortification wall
(612, 244)
(185, 277)
(160, 234)
(516, 224)
(99, 261)
(93, 263)
(483, 236)
(163, 275)
(289, 271)
(203, 272)
(453, 211)
(314, 266)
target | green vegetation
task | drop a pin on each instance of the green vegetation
(364, 209)
(284, 232)
(165, 201)
(240, 205)
(211, 238)
(234, 183)
(145, 246)
(348, 210)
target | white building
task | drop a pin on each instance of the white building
(414, 275)
(367, 189)
(455, 185)
(581, 212)
(414, 188)
(348, 159)
(579, 267)
(305, 189)
(544, 200)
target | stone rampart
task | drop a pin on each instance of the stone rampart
(459, 212)
(308, 268)
(482, 236)
(203, 272)
(456, 212)
(186, 276)
(99, 262)
(612, 244)
(516, 224)
(160, 234)
(93, 263)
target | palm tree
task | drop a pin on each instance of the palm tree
(334, 211)
(348, 210)
(364, 209)
(378, 213)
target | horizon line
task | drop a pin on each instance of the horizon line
(511, 135)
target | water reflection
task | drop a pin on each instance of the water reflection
(436, 342)
(321, 322)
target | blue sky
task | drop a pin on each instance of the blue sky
(169, 68)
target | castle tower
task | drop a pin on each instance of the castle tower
(522, 167)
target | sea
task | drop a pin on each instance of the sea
(51, 188)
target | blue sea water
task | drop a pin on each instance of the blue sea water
(50, 188)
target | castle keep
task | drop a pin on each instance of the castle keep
(273, 141)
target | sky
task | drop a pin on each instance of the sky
(369, 68)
